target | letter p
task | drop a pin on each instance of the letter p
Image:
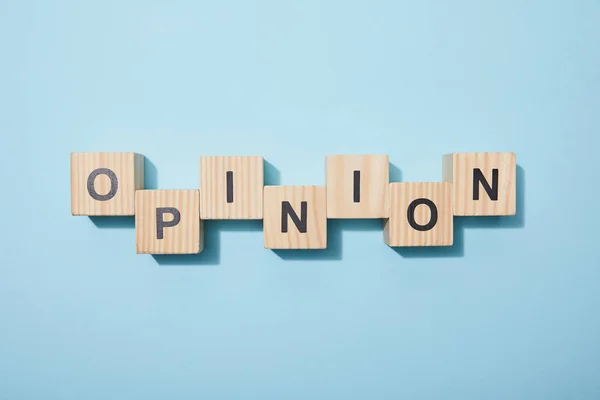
(161, 223)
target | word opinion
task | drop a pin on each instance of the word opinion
(294, 217)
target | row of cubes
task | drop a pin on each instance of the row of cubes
(295, 217)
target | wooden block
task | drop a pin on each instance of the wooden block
(231, 187)
(105, 183)
(484, 183)
(357, 186)
(295, 217)
(168, 222)
(420, 215)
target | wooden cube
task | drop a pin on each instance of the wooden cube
(231, 187)
(357, 186)
(420, 215)
(295, 217)
(168, 222)
(484, 183)
(105, 183)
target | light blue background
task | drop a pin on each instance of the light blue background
(510, 312)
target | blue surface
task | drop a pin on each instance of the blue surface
(510, 312)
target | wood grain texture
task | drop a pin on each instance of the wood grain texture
(248, 183)
(398, 232)
(127, 167)
(458, 169)
(185, 238)
(374, 184)
(316, 217)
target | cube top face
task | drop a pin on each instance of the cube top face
(168, 222)
(420, 215)
(231, 187)
(295, 217)
(104, 184)
(357, 186)
(484, 183)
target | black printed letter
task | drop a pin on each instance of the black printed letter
(491, 191)
(286, 209)
(161, 223)
(114, 184)
(357, 186)
(410, 214)
(229, 186)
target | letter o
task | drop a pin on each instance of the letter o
(410, 214)
(114, 184)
